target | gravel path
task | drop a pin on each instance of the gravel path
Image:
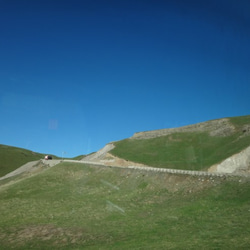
(25, 168)
(97, 159)
(29, 167)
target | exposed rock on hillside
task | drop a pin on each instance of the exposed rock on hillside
(235, 164)
(246, 130)
(221, 127)
(239, 163)
(99, 155)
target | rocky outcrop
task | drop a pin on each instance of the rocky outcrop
(221, 127)
(238, 163)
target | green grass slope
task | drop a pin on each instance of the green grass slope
(77, 206)
(188, 151)
(12, 157)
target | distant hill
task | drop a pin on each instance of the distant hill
(193, 147)
(14, 157)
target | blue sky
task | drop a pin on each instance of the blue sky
(76, 75)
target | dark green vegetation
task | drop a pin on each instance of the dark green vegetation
(77, 206)
(190, 151)
(12, 157)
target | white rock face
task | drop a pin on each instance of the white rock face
(237, 162)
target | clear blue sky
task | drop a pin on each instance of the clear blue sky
(76, 75)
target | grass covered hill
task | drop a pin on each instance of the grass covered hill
(83, 206)
(12, 157)
(194, 147)
(79, 206)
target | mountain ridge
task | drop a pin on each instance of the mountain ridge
(193, 147)
(219, 127)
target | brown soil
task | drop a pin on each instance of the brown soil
(57, 236)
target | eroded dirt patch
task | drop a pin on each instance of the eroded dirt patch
(55, 236)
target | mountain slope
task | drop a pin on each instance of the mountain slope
(194, 147)
(84, 206)
(80, 206)
(13, 157)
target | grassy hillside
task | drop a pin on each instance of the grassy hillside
(192, 151)
(77, 158)
(12, 157)
(77, 206)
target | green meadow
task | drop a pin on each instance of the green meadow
(78, 206)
